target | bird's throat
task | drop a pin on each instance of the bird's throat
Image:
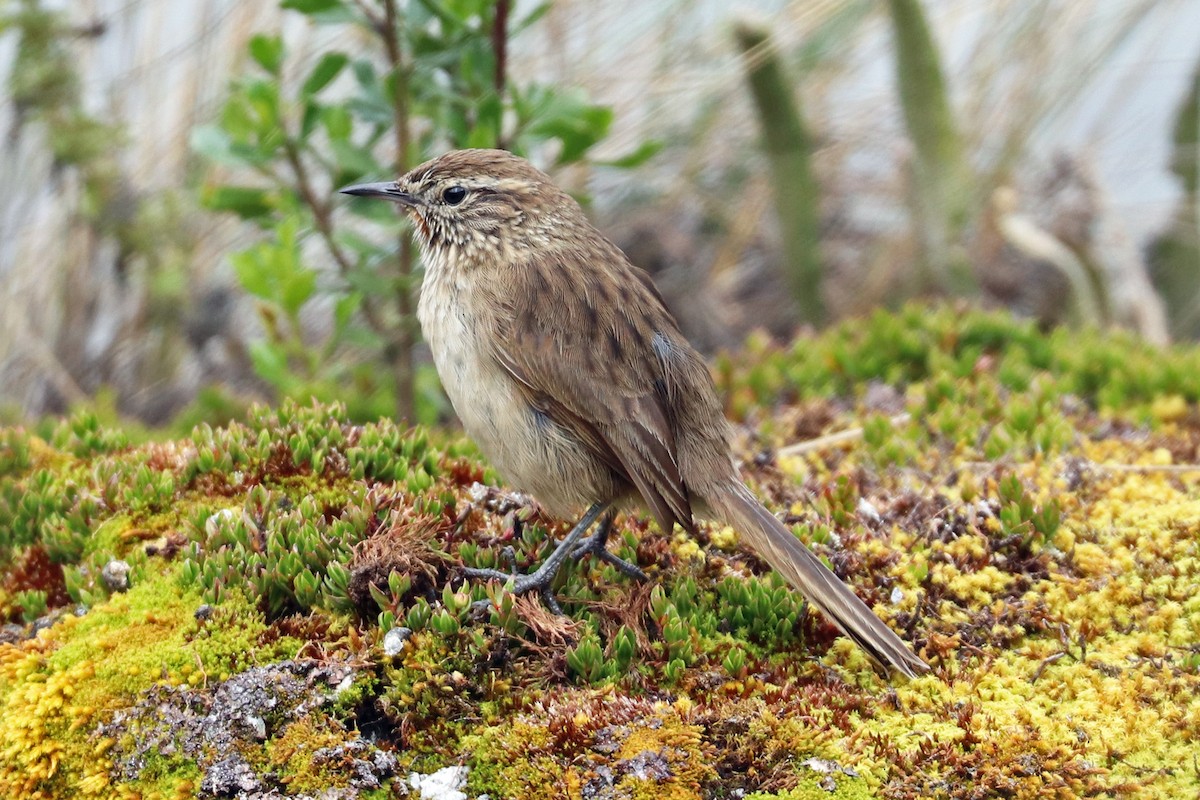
(422, 227)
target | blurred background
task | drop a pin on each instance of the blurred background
(172, 247)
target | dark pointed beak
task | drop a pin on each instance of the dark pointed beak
(387, 191)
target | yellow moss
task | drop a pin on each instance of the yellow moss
(107, 537)
(511, 775)
(799, 737)
(969, 546)
(55, 687)
(1169, 407)
(43, 456)
(652, 749)
(687, 549)
(973, 589)
(325, 489)
(793, 465)
(676, 748)
(812, 787)
(291, 755)
(725, 538)
(1104, 691)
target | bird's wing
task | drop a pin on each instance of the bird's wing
(586, 344)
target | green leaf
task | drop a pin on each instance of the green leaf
(273, 271)
(373, 103)
(237, 118)
(328, 68)
(643, 153)
(481, 136)
(254, 279)
(247, 202)
(364, 72)
(251, 154)
(308, 122)
(343, 310)
(262, 97)
(311, 6)
(214, 144)
(566, 116)
(533, 16)
(449, 15)
(270, 362)
(268, 52)
(372, 109)
(338, 123)
(297, 289)
(488, 116)
(369, 283)
(579, 134)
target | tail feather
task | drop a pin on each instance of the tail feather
(771, 540)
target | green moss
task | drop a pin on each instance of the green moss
(951, 351)
(429, 693)
(840, 787)
(292, 755)
(164, 778)
(383, 793)
(587, 742)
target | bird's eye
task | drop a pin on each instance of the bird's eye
(454, 195)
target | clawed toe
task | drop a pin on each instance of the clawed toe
(539, 581)
(622, 566)
(573, 546)
(481, 574)
(542, 578)
(597, 545)
(597, 549)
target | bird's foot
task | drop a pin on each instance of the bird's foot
(596, 545)
(541, 579)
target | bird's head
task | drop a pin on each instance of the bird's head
(475, 200)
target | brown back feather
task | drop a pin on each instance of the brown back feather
(620, 411)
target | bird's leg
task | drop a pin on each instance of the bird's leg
(541, 578)
(596, 545)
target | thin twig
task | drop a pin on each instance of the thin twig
(1171, 469)
(1148, 469)
(320, 210)
(377, 22)
(1045, 663)
(200, 668)
(853, 434)
(324, 224)
(833, 439)
(500, 44)
(401, 347)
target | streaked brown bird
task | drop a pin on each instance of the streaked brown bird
(573, 378)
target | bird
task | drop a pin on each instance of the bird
(570, 374)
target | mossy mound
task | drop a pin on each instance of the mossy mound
(1022, 507)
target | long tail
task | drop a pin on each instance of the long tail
(768, 537)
